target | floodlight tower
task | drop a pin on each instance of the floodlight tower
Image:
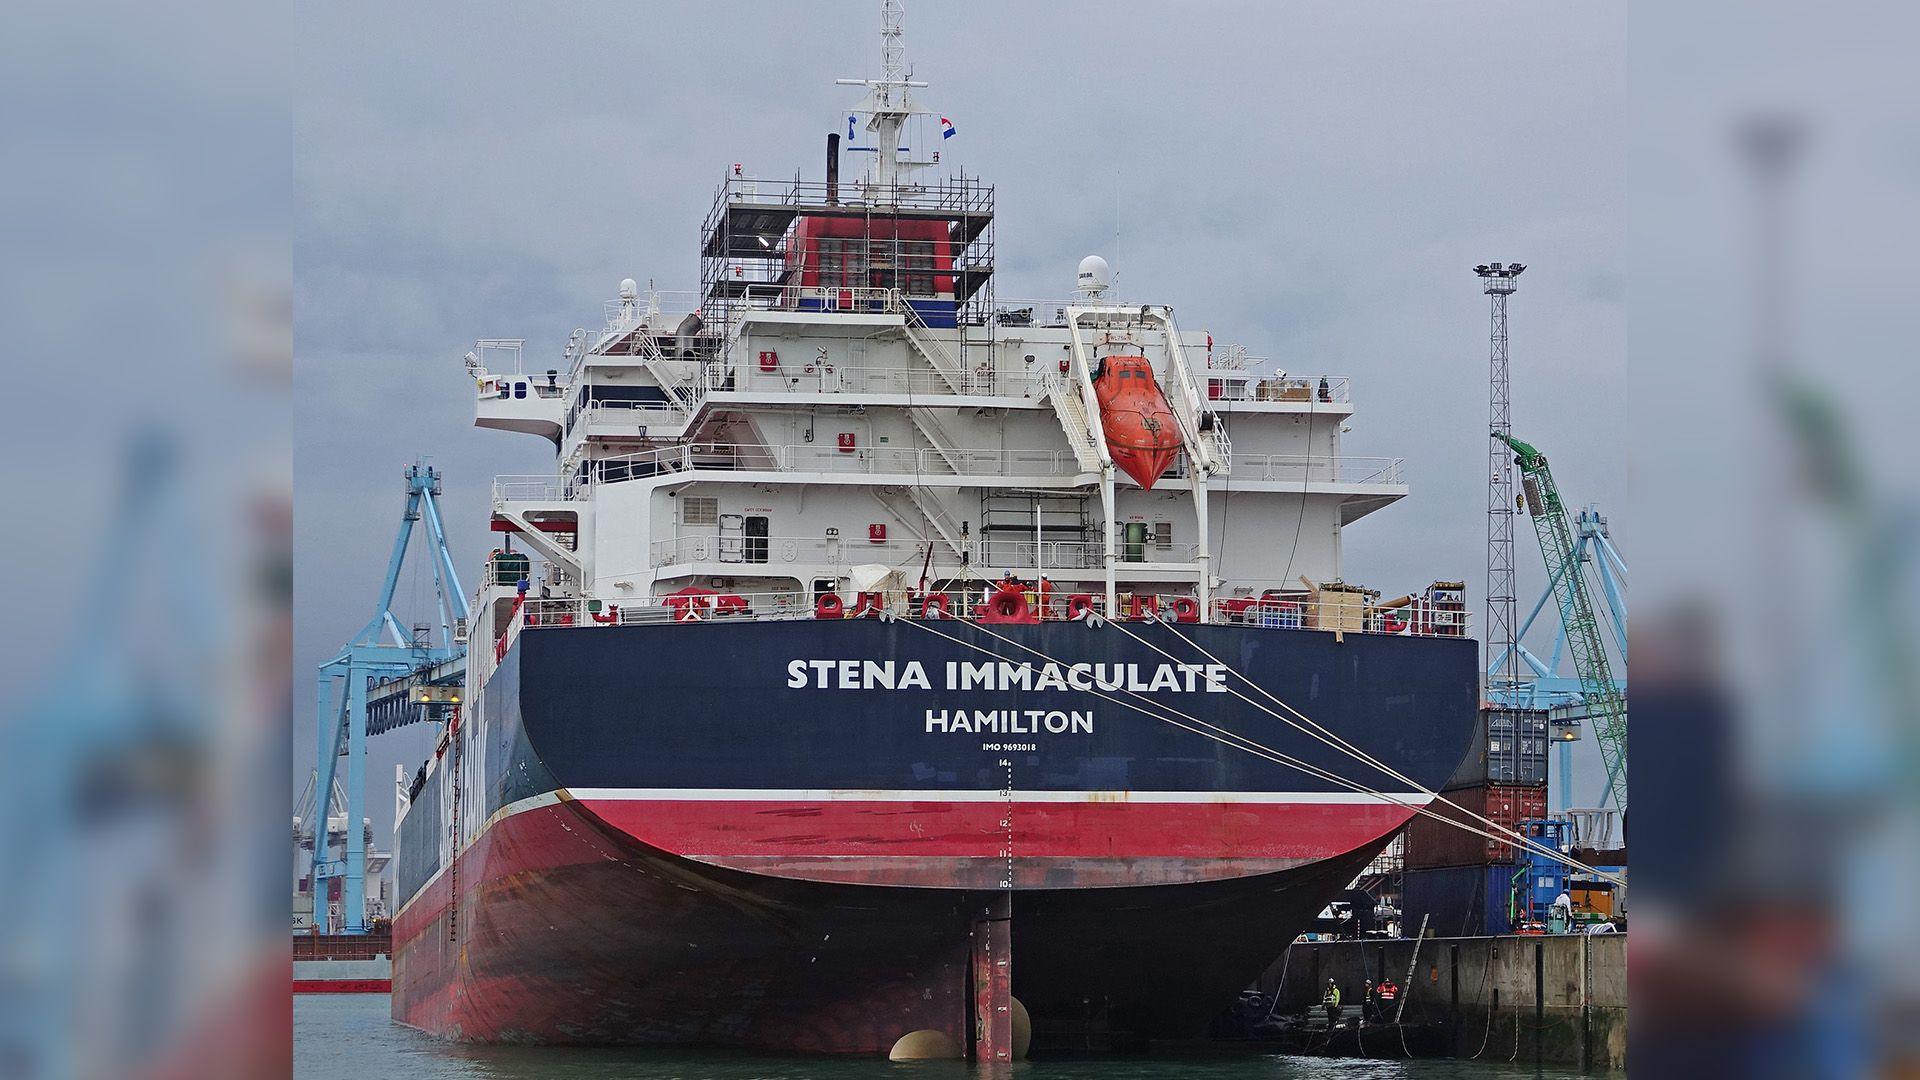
(1500, 660)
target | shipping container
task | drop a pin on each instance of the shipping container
(1458, 901)
(1433, 843)
(1509, 747)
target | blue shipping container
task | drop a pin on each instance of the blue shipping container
(1459, 901)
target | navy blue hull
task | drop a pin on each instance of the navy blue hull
(746, 760)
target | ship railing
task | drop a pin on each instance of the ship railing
(1346, 614)
(953, 195)
(660, 310)
(1311, 468)
(999, 554)
(644, 414)
(736, 548)
(813, 377)
(768, 295)
(529, 488)
(1418, 619)
(1228, 384)
(1077, 554)
(925, 463)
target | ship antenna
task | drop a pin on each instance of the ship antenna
(888, 104)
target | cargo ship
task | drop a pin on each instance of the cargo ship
(886, 659)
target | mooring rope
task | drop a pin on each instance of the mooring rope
(1227, 737)
(1328, 737)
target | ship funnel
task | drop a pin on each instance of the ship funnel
(833, 167)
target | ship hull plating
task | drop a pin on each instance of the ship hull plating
(677, 836)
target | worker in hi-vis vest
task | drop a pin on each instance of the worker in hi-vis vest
(1331, 999)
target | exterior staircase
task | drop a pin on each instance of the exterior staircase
(929, 425)
(1073, 420)
(935, 351)
(922, 506)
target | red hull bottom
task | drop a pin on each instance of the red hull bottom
(567, 929)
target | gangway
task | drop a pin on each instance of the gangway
(385, 678)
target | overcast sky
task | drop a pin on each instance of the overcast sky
(1313, 180)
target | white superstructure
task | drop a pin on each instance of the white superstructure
(845, 406)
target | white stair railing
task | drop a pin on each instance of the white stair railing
(929, 425)
(929, 510)
(1072, 413)
(932, 348)
(681, 394)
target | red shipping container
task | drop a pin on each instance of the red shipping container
(1432, 843)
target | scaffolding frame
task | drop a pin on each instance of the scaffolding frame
(747, 238)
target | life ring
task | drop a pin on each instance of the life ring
(1079, 606)
(829, 606)
(936, 606)
(1185, 609)
(1008, 606)
(730, 604)
(609, 614)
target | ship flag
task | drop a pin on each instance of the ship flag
(946, 128)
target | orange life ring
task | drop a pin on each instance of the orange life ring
(1079, 606)
(829, 606)
(1185, 609)
(936, 606)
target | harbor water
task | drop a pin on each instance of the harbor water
(350, 1037)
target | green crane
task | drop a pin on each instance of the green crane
(1606, 704)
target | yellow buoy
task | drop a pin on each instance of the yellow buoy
(927, 1045)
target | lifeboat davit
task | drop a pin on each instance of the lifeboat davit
(1141, 434)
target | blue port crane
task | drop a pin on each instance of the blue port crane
(1567, 552)
(385, 677)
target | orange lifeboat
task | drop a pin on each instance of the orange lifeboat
(1141, 433)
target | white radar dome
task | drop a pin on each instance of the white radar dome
(629, 288)
(1095, 276)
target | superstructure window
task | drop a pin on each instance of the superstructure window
(699, 510)
(916, 264)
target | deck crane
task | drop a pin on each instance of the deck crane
(1604, 699)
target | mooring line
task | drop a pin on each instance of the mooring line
(1330, 738)
(1238, 741)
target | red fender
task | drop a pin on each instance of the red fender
(1008, 606)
